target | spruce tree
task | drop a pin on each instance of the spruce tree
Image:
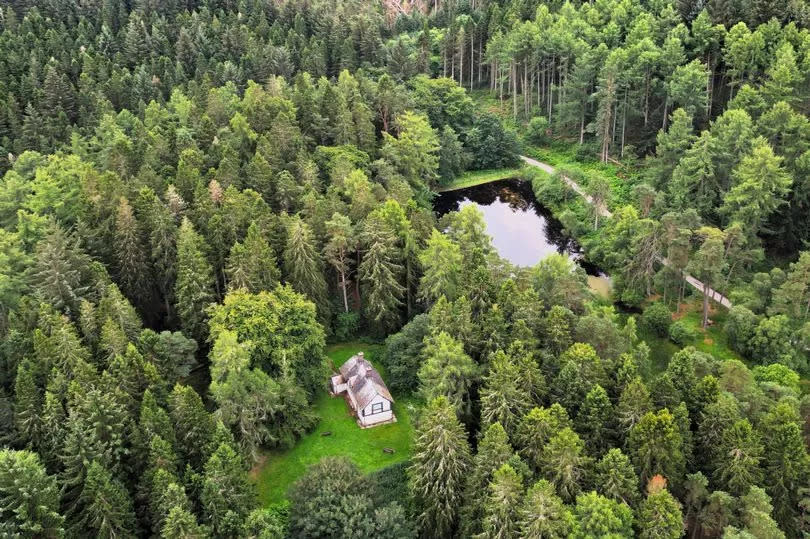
(503, 398)
(303, 267)
(227, 497)
(106, 506)
(503, 503)
(381, 272)
(29, 497)
(252, 263)
(195, 280)
(440, 463)
(133, 273)
(543, 514)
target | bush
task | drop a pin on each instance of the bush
(681, 333)
(740, 327)
(657, 319)
(537, 131)
(346, 326)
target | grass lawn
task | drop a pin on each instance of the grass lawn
(478, 177)
(280, 468)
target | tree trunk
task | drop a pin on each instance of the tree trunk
(343, 286)
(705, 305)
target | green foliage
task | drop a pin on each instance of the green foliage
(440, 462)
(657, 318)
(335, 500)
(682, 333)
(28, 496)
(403, 353)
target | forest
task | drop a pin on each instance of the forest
(198, 198)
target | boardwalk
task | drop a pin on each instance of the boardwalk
(604, 212)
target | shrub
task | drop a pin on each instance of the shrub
(681, 333)
(346, 326)
(537, 131)
(657, 319)
(740, 327)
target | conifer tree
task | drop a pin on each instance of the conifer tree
(381, 271)
(659, 515)
(564, 463)
(543, 513)
(447, 371)
(595, 420)
(252, 264)
(503, 398)
(106, 506)
(493, 452)
(133, 272)
(442, 263)
(341, 241)
(195, 280)
(440, 463)
(503, 503)
(226, 496)
(29, 497)
(193, 426)
(303, 267)
(615, 477)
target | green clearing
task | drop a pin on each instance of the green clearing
(472, 178)
(712, 340)
(280, 468)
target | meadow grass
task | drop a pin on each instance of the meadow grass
(279, 468)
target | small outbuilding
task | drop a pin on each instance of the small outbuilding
(364, 390)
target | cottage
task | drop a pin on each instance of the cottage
(364, 391)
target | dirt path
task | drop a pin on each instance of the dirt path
(604, 212)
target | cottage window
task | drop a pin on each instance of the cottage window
(377, 407)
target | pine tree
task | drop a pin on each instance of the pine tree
(656, 447)
(440, 462)
(303, 267)
(252, 264)
(493, 452)
(442, 263)
(106, 506)
(60, 269)
(182, 524)
(597, 516)
(193, 425)
(736, 466)
(27, 405)
(564, 463)
(133, 272)
(786, 463)
(29, 497)
(536, 429)
(195, 279)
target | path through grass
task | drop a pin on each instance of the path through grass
(280, 468)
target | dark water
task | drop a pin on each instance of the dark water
(522, 230)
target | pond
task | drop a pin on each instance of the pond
(523, 231)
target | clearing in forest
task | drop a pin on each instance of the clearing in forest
(279, 468)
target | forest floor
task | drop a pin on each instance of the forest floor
(279, 468)
(712, 340)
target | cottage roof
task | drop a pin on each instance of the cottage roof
(364, 381)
